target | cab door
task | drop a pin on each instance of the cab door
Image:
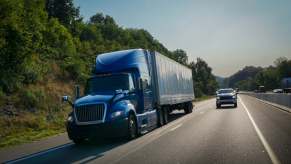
(148, 93)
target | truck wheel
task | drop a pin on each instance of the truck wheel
(235, 105)
(165, 115)
(188, 108)
(78, 141)
(160, 118)
(132, 129)
(218, 106)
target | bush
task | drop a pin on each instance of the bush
(2, 97)
(10, 81)
(76, 68)
(32, 99)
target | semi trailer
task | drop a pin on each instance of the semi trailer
(286, 84)
(129, 93)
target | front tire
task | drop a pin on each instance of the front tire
(78, 141)
(132, 128)
(235, 105)
(218, 106)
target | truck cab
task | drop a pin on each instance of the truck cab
(117, 101)
(130, 92)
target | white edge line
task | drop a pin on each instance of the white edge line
(38, 154)
(85, 159)
(176, 127)
(266, 145)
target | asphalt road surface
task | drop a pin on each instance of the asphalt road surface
(254, 132)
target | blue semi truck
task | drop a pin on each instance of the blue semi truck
(130, 92)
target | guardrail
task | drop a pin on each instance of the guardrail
(277, 98)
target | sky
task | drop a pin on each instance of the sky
(227, 34)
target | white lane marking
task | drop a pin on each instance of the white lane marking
(176, 127)
(38, 154)
(85, 159)
(268, 148)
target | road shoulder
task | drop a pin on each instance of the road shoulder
(20, 151)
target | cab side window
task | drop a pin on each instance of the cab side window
(131, 84)
(146, 81)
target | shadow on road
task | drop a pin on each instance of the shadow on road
(226, 107)
(84, 153)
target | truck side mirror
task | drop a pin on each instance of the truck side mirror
(65, 98)
(77, 91)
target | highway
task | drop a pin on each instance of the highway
(254, 132)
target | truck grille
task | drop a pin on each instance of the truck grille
(90, 113)
(225, 97)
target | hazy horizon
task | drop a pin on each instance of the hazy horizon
(228, 35)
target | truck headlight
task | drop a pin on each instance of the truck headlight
(217, 97)
(234, 97)
(70, 119)
(116, 114)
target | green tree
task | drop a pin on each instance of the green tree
(283, 67)
(21, 26)
(98, 18)
(268, 78)
(204, 81)
(63, 10)
(180, 56)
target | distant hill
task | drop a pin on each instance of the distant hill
(250, 77)
(244, 74)
(220, 81)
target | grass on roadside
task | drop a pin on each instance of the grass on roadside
(28, 136)
(29, 127)
(33, 113)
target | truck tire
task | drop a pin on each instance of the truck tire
(160, 118)
(188, 108)
(235, 105)
(78, 141)
(165, 115)
(132, 128)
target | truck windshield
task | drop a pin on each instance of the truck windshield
(109, 83)
(225, 91)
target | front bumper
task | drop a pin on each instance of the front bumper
(226, 101)
(111, 129)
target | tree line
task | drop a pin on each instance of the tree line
(36, 34)
(250, 77)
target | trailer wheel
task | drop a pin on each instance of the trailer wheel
(160, 118)
(165, 115)
(132, 129)
(188, 108)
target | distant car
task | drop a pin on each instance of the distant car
(237, 90)
(226, 96)
(261, 89)
(287, 90)
(278, 90)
